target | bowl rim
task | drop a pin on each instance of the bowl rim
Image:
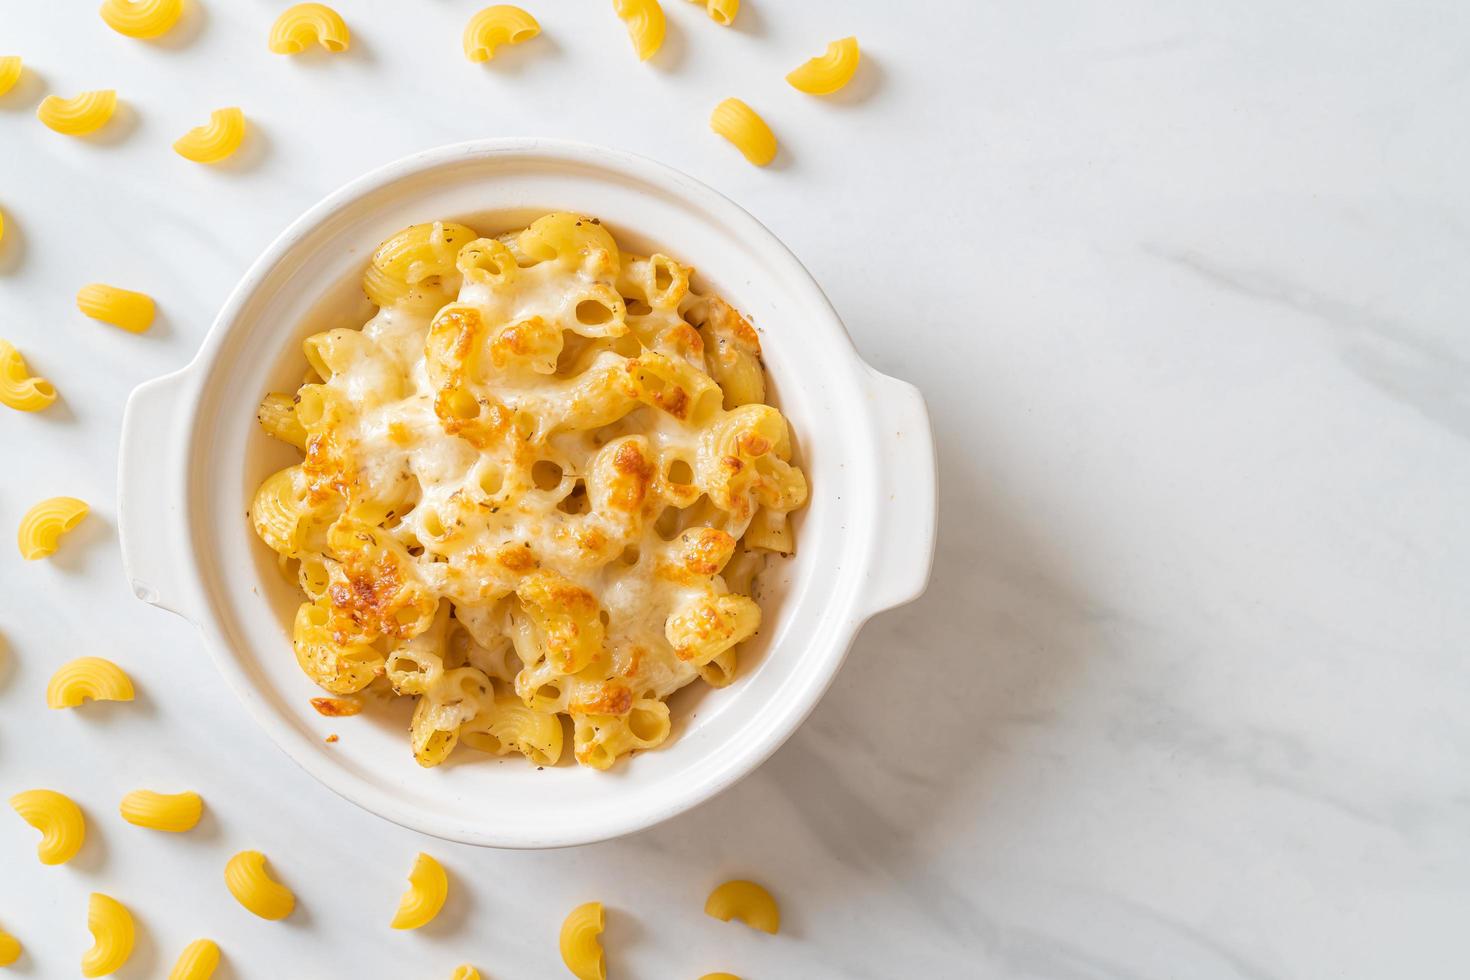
(194, 602)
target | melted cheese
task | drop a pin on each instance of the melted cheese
(551, 456)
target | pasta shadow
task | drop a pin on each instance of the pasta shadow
(12, 245)
(71, 556)
(513, 59)
(25, 966)
(26, 91)
(225, 970)
(144, 959)
(92, 855)
(186, 31)
(622, 931)
(253, 149)
(162, 327)
(359, 51)
(750, 20)
(783, 160)
(867, 81)
(123, 123)
(670, 54)
(457, 909)
(59, 412)
(206, 833)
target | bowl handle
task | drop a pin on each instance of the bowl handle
(903, 551)
(150, 495)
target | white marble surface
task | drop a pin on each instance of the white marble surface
(1185, 284)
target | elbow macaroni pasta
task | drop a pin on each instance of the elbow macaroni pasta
(409, 269)
(10, 949)
(746, 901)
(465, 972)
(10, 72)
(171, 812)
(277, 416)
(309, 23)
(60, 821)
(722, 12)
(113, 935)
(645, 22)
(84, 114)
(494, 26)
(215, 140)
(142, 18)
(580, 950)
(829, 71)
(119, 307)
(88, 678)
(253, 887)
(719, 976)
(428, 887)
(43, 525)
(18, 389)
(740, 124)
(198, 961)
(523, 482)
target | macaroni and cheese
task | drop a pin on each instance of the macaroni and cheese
(537, 484)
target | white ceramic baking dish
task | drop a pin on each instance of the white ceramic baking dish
(192, 455)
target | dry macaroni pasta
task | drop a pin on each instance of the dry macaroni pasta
(10, 71)
(739, 124)
(10, 948)
(580, 950)
(198, 961)
(254, 888)
(88, 679)
(84, 114)
(721, 11)
(465, 972)
(59, 820)
(306, 24)
(43, 525)
(428, 886)
(172, 812)
(18, 388)
(215, 140)
(142, 18)
(645, 21)
(829, 71)
(526, 484)
(120, 307)
(746, 901)
(113, 934)
(494, 26)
